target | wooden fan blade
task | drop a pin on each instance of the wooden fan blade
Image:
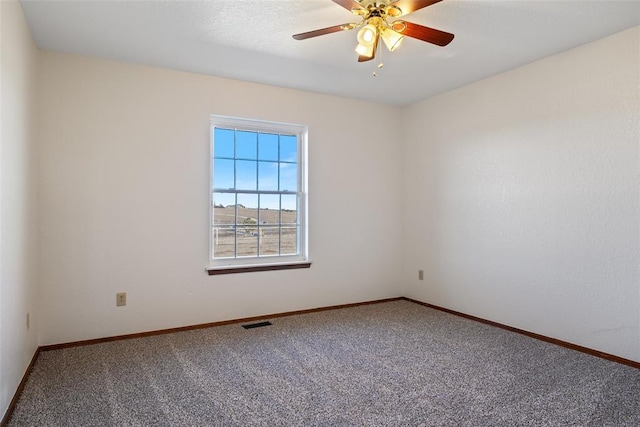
(322, 31)
(429, 35)
(348, 4)
(410, 6)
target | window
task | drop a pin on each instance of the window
(258, 194)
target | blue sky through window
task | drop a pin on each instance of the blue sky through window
(268, 176)
(224, 143)
(245, 159)
(246, 145)
(268, 146)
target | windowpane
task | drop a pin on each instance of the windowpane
(267, 176)
(246, 145)
(224, 212)
(223, 143)
(246, 175)
(289, 209)
(269, 240)
(269, 209)
(247, 242)
(267, 146)
(223, 174)
(289, 240)
(224, 231)
(223, 240)
(288, 148)
(247, 225)
(247, 207)
(288, 177)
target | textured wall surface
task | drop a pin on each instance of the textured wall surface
(522, 197)
(125, 181)
(18, 215)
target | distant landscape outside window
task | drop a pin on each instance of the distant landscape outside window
(256, 194)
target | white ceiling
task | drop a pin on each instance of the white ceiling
(251, 40)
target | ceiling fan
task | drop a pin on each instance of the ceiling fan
(375, 25)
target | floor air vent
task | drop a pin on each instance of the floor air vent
(256, 325)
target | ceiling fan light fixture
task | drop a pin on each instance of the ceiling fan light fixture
(375, 25)
(398, 26)
(391, 39)
(394, 11)
(365, 50)
(367, 35)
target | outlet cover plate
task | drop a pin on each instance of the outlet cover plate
(121, 299)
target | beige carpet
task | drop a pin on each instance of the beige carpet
(388, 364)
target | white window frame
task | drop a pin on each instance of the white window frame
(284, 261)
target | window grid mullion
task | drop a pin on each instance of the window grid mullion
(257, 188)
(279, 203)
(235, 209)
(235, 227)
(258, 228)
(280, 225)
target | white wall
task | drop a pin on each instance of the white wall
(125, 203)
(522, 197)
(18, 227)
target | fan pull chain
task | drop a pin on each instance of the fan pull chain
(380, 63)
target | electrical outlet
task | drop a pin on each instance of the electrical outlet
(121, 299)
(420, 274)
(28, 323)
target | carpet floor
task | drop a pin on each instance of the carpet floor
(389, 364)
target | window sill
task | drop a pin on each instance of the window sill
(232, 269)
